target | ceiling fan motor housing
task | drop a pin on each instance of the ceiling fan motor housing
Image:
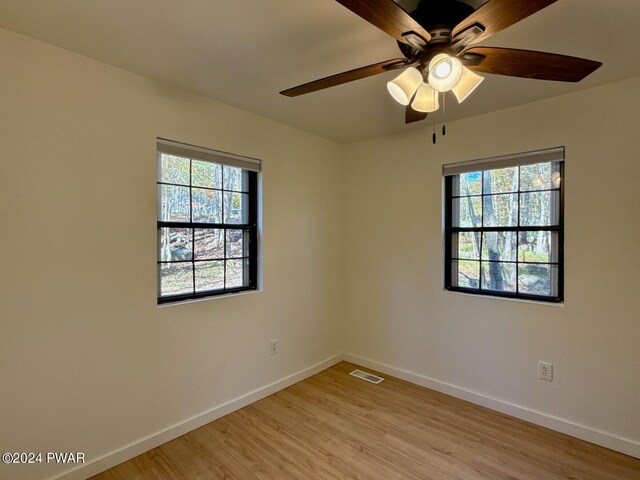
(439, 17)
(441, 14)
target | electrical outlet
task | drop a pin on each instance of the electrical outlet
(545, 371)
(273, 346)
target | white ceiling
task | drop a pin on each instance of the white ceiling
(244, 52)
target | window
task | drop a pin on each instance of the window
(207, 222)
(504, 226)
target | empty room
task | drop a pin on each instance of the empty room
(319, 239)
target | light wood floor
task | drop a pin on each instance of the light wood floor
(334, 426)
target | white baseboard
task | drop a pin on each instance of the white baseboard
(127, 452)
(604, 439)
(122, 454)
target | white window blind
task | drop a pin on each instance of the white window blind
(199, 153)
(514, 160)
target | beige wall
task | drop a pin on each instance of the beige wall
(399, 315)
(88, 362)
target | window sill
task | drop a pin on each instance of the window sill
(495, 297)
(206, 299)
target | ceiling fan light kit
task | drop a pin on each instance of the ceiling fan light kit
(426, 99)
(404, 86)
(467, 84)
(437, 40)
(444, 72)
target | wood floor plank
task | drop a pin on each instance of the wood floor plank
(333, 426)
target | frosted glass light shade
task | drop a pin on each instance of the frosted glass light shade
(426, 99)
(444, 72)
(467, 84)
(405, 85)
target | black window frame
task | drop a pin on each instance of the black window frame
(250, 228)
(450, 231)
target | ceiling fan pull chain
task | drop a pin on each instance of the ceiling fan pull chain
(435, 98)
(444, 114)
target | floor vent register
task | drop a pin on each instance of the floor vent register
(367, 376)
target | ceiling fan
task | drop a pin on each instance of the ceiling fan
(436, 41)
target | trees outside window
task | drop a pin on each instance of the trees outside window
(504, 226)
(207, 223)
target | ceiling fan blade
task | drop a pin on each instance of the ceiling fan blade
(531, 64)
(411, 115)
(388, 16)
(346, 77)
(496, 15)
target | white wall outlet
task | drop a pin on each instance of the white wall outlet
(545, 371)
(273, 346)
